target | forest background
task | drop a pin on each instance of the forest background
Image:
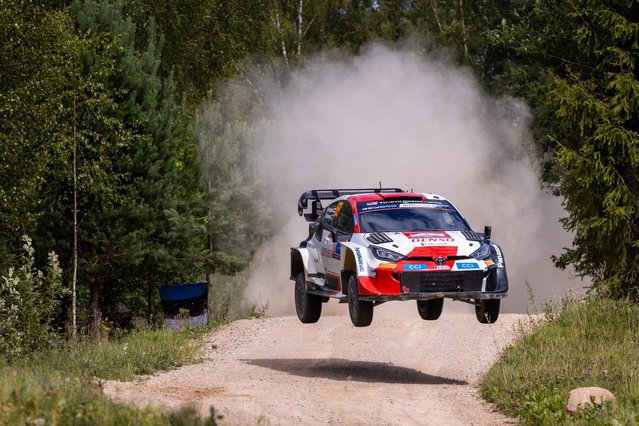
(125, 153)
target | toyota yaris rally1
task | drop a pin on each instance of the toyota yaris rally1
(370, 246)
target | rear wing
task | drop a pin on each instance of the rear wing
(317, 195)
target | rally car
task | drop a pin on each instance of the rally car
(370, 246)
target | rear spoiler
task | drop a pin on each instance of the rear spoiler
(316, 195)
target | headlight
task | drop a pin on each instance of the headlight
(388, 255)
(483, 252)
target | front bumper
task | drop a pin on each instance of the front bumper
(389, 285)
(456, 295)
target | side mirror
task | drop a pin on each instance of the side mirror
(487, 232)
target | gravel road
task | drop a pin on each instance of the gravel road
(278, 371)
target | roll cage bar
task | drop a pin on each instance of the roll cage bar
(316, 195)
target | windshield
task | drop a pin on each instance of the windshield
(409, 216)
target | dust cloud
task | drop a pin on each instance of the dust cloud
(410, 120)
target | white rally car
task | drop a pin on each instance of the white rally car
(370, 246)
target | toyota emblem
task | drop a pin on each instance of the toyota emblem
(440, 260)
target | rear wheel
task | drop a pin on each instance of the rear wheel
(487, 310)
(308, 306)
(361, 312)
(430, 309)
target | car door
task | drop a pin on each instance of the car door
(337, 230)
(319, 248)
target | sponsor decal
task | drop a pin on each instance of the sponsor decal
(365, 206)
(489, 262)
(360, 260)
(424, 205)
(432, 241)
(338, 249)
(442, 267)
(355, 220)
(428, 235)
(467, 265)
(415, 267)
(387, 265)
(330, 253)
(405, 289)
(500, 258)
(338, 208)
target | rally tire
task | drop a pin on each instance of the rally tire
(487, 310)
(361, 312)
(431, 309)
(307, 306)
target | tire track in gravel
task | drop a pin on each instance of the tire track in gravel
(277, 371)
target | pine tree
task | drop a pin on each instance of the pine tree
(597, 110)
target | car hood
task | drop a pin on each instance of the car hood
(425, 243)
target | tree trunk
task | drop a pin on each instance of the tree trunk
(94, 288)
(299, 28)
(278, 26)
(74, 324)
(439, 24)
(96, 315)
(209, 283)
(150, 298)
(461, 11)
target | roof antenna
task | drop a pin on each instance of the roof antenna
(380, 185)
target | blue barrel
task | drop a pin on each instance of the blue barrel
(184, 296)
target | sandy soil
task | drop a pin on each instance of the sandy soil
(278, 371)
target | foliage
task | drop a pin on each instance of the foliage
(223, 130)
(30, 92)
(29, 301)
(137, 353)
(598, 145)
(140, 89)
(590, 343)
(575, 62)
(135, 163)
(60, 387)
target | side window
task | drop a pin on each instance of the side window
(329, 215)
(344, 220)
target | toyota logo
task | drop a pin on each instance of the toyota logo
(440, 260)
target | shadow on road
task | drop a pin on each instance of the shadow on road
(359, 371)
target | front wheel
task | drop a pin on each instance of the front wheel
(430, 310)
(487, 310)
(361, 312)
(308, 306)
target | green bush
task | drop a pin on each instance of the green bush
(62, 386)
(591, 342)
(29, 300)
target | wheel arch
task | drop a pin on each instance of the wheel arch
(297, 263)
(349, 267)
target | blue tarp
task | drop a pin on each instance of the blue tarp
(177, 292)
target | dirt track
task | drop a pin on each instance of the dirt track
(400, 370)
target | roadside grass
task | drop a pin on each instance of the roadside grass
(63, 386)
(592, 342)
